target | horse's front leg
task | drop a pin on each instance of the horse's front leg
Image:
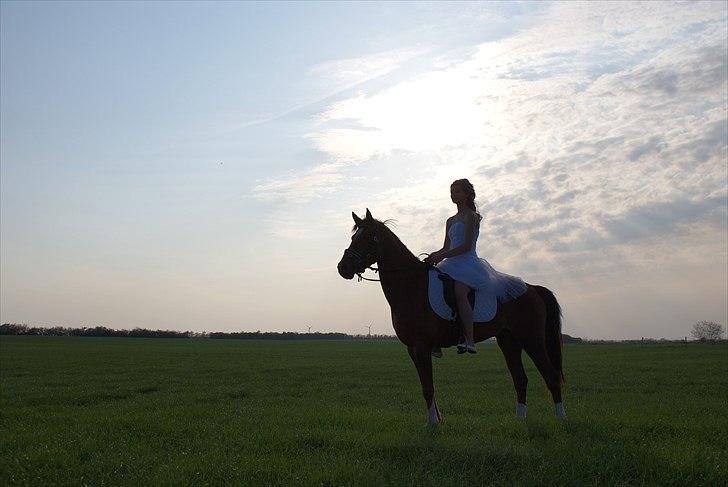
(511, 349)
(420, 353)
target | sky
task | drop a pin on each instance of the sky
(194, 166)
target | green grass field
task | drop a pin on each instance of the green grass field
(116, 411)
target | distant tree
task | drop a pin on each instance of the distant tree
(13, 329)
(570, 339)
(707, 330)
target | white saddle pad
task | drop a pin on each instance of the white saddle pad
(484, 309)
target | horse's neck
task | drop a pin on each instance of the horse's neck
(399, 272)
(395, 256)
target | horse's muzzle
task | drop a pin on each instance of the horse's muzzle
(346, 270)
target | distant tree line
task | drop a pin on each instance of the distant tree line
(292, 335)
(96, 331)
(102, 331)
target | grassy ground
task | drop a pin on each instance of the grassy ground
(172, 411)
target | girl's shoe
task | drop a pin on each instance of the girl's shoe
(465, 347)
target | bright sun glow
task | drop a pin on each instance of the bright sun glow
(440, 109)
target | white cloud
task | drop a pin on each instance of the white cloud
(596, 140)
(429, 112)
(590, 113)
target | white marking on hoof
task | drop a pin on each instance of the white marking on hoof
(432, 418)
(520, 410)
(560, 411)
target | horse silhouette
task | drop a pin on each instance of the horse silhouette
(531, 322)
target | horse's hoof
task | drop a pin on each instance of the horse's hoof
(520, 411)
(560, 411)
(433, 421)
(433, 414)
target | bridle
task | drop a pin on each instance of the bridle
(359, 263)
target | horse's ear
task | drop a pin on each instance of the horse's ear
(357, 220)
(369, 215)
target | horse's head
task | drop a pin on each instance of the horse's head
(362, 252)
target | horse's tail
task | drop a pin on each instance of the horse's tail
(554, 342)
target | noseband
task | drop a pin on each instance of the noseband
(359, 262)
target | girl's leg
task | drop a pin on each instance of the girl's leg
(466, 312)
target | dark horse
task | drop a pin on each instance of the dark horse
(531, 322)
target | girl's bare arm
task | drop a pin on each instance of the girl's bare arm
(445, 246)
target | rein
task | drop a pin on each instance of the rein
(371, 257)
(360, 277)
(376, 271)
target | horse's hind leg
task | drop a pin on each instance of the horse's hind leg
(537, 351)
(511, 349)
(422, 358)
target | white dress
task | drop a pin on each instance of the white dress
(477, 273)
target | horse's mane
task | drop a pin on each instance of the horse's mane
(385, 222)
(386, 231)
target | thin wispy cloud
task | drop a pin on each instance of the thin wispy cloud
(301, 186)
(329, 79)
(341, 74)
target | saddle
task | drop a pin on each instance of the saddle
(441, 295)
